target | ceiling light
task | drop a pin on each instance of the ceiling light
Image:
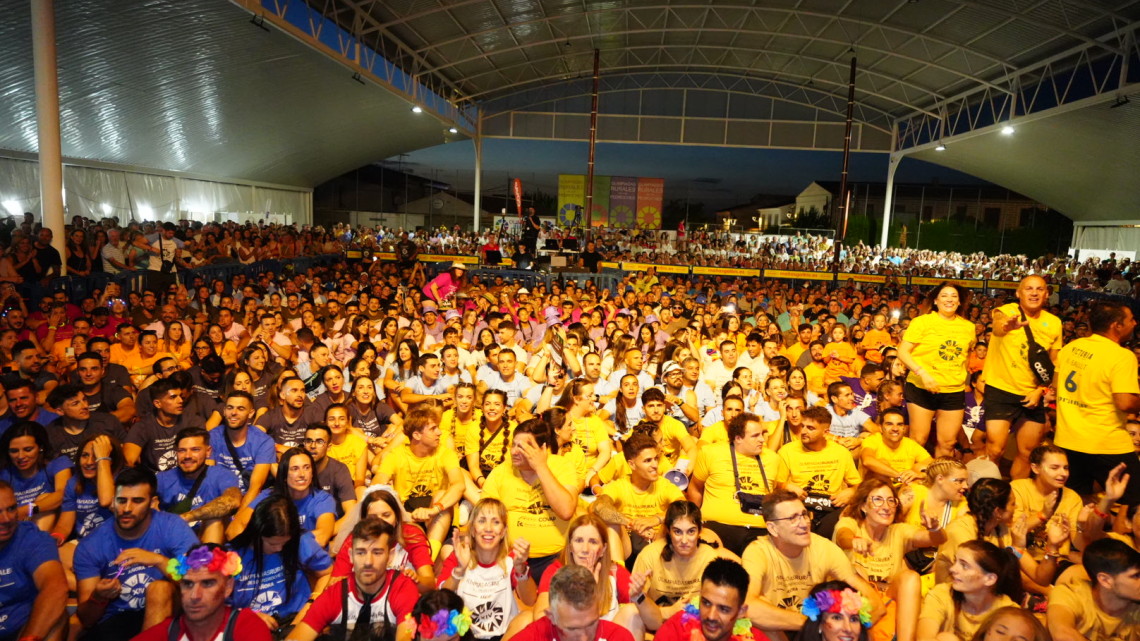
(13, 207)
(1007, 130)
(452, 130)
(940, 147)
(106, 209)
(417, 109)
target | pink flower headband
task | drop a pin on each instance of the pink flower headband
(847, 602)
(203, 557)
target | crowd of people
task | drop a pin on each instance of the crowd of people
(363, 452)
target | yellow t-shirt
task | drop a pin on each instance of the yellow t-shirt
(795, 350)
(676, 579)
(1028, 500)
(908, 454)
(844, 365)
(714, 468)
(673, 433)
(1092, 622)
(528, 512)
(886, 556)
(495, 450)
(1007, 363)
(958, 532)
(785, 582)
(939, 606)
(637, 504)
(941, 347)
(350, 452)
(414, 477)
(920, 492)
(577, 460)
(457, 430)
(816, 375)
(589, 432)
(824, 472)
(715, 433)
(1089, 371)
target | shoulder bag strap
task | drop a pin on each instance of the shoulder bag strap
(228, 635)
(187, 501)
(1028, 331)
(173, 631)
(736, 472)
(233, 452)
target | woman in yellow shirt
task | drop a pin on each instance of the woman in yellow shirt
(984, 578)
(590, 433)
(935, 349)
(489, 445)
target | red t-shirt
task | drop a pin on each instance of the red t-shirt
(416, 550)
(543, 630)
(248, 627)
(672, 630)
(393, 602)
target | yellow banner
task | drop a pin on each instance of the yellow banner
(1002, 284)
(931, 282)
(862, 278)
(784, 273)
(440, 258)
(661, 269)
(725, 271)
(610, 265)
(386, 255)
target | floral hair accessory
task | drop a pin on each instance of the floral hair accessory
(691, 622)
(847, 602)
(203, 557)
(444, 623)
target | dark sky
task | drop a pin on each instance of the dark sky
(719, 177)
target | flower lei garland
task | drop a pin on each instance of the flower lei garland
(847, 602)
(444, 623)
(691, 624)
(204, 558)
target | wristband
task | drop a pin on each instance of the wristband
(1103, 515)
(1016, 551)
(103, 458)
(438, 506)
(524, 575)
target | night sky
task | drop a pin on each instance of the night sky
(718, 177)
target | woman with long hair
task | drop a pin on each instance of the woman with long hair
(670, 567)
(296, 480)
(459, 419)
(982, 579)
(485, 569)
(1043, 497)
(625, 409)
(282, 566)
(88, 496)
(797, 383)
(590, 433)
(991, 518)
(835, 611)
(399, 369)
(176, 344)
(935, 349)
(78, 259)
(877, 541)
(380, 425)
(587, 545)
(489, 445)
(254, 362)
(410, 553)
(38, 477)
(223, 346)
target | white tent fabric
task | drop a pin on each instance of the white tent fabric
(1107, 238)
(19, 186)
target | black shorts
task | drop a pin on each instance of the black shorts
(1086, 468)
(735, 538)
(942, 401)
(1000, 405)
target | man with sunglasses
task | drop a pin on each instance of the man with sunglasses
(789, 561)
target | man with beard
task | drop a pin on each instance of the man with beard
(30, 367)
(78, 422)
(203, 495)
(724, 589)
(286, 423)
(205, 579)
(32, 600)
(120, 566)
(102, 395)
(151, 440)
(247, 453)
(378, 599)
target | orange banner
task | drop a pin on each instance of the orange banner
(931, 282)
(1001, 284)
(661, 269)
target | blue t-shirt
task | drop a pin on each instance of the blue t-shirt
(42, 482)
(257, 449)
(265, 591)
(167, 535)
(309, 509)
(173, 486)
(88, 513)
(28, 549)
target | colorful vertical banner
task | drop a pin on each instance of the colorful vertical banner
(601, 216)
(571, 195)
(516, 187)
(650, 194)
(623, 202)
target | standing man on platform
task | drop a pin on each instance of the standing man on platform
(530, 227)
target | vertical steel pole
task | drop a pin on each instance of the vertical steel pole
(47, 122)
(478, 165)
(593, 143)
(841, 229)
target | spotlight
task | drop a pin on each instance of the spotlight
(452, 130)
(1007, 130)
(259, 22)
(417, 109)
(940, 147)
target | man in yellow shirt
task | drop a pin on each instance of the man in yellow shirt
(1013, 394)
(730, 478)
(893, 454)
(820, 471)
(636, 505)
(424, 474)
(1096, 390)
(1104, 604)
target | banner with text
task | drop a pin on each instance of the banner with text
(623, 202)
(601, 215)
(650, 196)
(571, 198)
